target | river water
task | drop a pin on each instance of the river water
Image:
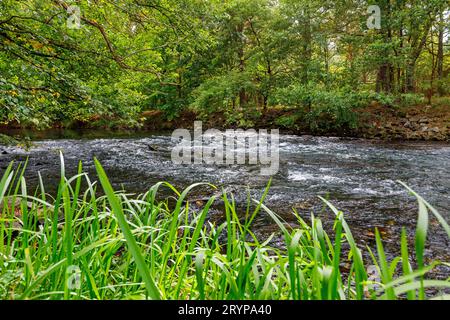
(357, 176)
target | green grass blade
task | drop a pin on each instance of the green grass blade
(152, 289)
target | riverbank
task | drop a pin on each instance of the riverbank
(427, 123)
(412, 123)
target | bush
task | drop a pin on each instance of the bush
(410, 99)
(323, 109)
(287, 121)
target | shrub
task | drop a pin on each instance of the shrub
(323, 109)
(287, 121)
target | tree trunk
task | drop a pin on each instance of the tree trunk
(440, 57)
(409, 77)
(243, 99)
(385, 72)
(384, 78)
(416, 51)
(306, 47)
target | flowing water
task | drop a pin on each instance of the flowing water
(357, 176)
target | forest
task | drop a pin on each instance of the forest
(114, 63)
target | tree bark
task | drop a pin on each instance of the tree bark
(409, 77)
(384, 78)
(385, 72)
(306, 47)
(418, 44)
(243, 99)
(440, 57)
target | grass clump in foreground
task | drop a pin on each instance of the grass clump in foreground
(82, 246)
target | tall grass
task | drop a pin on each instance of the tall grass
(135, 247)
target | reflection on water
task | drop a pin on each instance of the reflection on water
(358, 176)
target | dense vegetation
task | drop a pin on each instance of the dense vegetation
(126, 247)
(237, 57)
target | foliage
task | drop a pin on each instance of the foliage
(287, 121)
(410, 99)
(7, 140)
(17, 141)
(214, 56)
(324, 109)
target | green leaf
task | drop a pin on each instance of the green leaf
(152, 289)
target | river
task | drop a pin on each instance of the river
(358, 176)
